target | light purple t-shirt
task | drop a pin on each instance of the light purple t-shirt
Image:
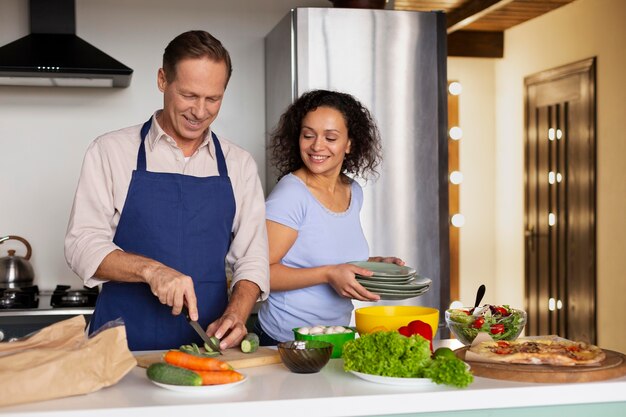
(324, 238)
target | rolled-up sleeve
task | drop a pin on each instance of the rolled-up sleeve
(248, 254)
(89, 237)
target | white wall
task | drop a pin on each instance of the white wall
(579, 30)
(477, 163)
(44, 131)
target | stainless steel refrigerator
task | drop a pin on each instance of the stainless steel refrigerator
(394, 62)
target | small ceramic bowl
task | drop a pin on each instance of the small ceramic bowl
(305, 356)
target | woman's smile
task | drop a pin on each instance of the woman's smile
(324, 141)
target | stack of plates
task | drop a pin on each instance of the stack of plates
(391, 281)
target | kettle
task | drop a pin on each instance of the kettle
(16, 271)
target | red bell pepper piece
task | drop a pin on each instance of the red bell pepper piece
(423, 329)
(404, 331)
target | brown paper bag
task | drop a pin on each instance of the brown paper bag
(60, 361)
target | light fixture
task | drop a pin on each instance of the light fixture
(456, 177)
(455, 88)
(457, 220)
(456, 133)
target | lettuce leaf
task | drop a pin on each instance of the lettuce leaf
(449, 371)
(388, 354)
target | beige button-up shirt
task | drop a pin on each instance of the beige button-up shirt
(103, 185)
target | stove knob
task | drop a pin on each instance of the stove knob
(1, 335)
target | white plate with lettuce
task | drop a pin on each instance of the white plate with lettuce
(389, 380)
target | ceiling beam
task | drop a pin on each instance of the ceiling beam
(476, 44)
(472, 11)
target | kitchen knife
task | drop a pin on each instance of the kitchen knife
(196, 326)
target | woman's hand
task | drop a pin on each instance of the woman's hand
(387, 259)
(342, 278)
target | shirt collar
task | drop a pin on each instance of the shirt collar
(156, 134)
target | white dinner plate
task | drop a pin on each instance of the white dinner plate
(388, 380)
(202, 389)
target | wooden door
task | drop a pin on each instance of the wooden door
(560, 250)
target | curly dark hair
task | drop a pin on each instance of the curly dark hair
(365, 149)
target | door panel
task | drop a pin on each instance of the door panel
(560, 252)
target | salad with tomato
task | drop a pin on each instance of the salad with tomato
(501, 322)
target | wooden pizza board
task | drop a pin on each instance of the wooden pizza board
(613, 366)
(234, 356)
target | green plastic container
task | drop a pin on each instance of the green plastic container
(337, 339)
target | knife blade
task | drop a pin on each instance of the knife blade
(196, 326)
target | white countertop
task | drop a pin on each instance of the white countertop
(273, 390)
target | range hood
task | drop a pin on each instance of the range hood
(52, 55)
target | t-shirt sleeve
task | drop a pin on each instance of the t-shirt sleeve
(286, 204)
(357, 194)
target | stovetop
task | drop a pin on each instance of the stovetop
(31, 300)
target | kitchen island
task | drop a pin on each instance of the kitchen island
(272, 390)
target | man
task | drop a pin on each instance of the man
(161, 206)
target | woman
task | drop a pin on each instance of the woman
(312, 214)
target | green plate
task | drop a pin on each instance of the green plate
(411, 285)
(394, 292)
(387, 280)
(384, 269)
(397, 296)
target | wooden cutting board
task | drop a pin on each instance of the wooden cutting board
(234, 356)
(613, 366)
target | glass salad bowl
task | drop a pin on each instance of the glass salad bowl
(501, 322)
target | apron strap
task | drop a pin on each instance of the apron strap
(141, 154)
(219, 155)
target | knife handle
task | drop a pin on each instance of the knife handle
(185, 312)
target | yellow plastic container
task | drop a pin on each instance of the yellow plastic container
(376, 318)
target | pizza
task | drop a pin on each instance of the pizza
(560, 352)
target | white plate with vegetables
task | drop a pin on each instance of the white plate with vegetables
(200, 389)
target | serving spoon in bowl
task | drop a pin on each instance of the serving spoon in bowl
(479, 296)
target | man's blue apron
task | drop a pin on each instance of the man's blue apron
(184, 222)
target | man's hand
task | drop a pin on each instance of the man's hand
(174, 289)
(231, 327)
(168, 285)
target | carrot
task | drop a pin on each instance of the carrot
(195, 363)
(219, 377)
